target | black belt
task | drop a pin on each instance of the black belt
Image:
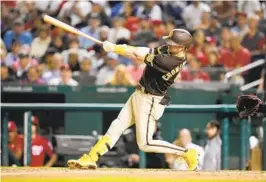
(142, 89)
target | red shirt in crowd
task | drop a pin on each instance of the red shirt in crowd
(199, 75)
(200, 54)
(39, 148)
(235, 59)
(17, 144)
(135, 72)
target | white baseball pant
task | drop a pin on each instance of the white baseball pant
(144, 110)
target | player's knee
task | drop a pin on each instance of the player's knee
(143, 146)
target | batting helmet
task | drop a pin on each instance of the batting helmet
(179, 37)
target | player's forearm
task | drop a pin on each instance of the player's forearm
(52, 161)
(128, 51)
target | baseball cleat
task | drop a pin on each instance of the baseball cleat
(83, 162)
(192, 159)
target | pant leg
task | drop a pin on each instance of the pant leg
(118, 126)
(147, 111)
(124, 120)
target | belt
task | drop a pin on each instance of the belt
(142, 89)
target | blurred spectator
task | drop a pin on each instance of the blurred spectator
(41, 43)
(144, 34)
(33, 77)
(254, 40)
(104, 33)
(225, 11)
(12, 57)
(65, 77)
(49, 7)
(85, 76)
(214, 28)
(131, 21)
(184, 140)
(34, 21)
(225, 38)
(15, 140)
(46, 61)
(118, 31)
(73, 43)
(193, 12)
(76, 11)
(121, 77)
(241, 27)
(92, 29)
(170, 25)
(212, 157)
(107, 71)
(99, 8)
(135, 70)
(218, 71)
(150, 9)
(23, 64)
(235, 57)
(17, 34)
(159, 28)
(100, 56)
(40, 147)
(3, 51)
(5, 74)
(249, 7)
(8, 16)
(58, 44)
(74, 55)
(198, 48)
(210, 45)
(193, 72)
(255, 160)
(262, 22)
(205, 22)
(73, 59)
(54, 71)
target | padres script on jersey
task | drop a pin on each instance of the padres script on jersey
(160, 72)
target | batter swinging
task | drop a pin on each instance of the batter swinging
(146, 105)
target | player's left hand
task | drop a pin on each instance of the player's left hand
(108, 46)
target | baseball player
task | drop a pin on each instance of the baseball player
(146, 105)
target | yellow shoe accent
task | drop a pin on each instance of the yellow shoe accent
(192, 159)
(101, 147)
(84, 162)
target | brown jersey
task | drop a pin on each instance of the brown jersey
(160, 72)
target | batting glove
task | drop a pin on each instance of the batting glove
(108, 46)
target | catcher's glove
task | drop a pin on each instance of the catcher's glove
(248, 105)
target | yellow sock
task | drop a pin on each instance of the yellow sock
(101, 147)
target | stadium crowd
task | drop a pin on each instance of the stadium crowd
(227, 35)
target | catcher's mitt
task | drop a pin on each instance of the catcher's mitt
(248, 105)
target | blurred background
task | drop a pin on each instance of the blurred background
(41, 63)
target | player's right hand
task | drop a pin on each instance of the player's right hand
(108, 46)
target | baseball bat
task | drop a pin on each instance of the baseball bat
(66, 27)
